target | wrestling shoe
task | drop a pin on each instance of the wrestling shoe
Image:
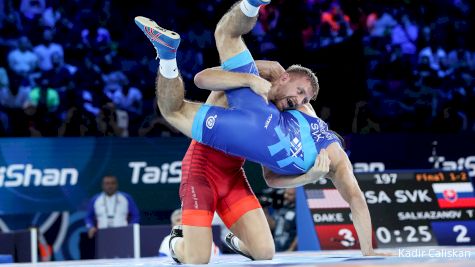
(230, 244)
(177, 231)
(258, 3)
(165, 42)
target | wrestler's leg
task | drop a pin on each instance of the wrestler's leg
(198, 198)
(243, 215)
(233, 25)
(170, 89)
(173, 106)
(234, 56)
(195, 246)
(254, 235)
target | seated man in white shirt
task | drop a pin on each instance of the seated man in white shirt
(110, 208)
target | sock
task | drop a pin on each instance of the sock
(168, 68)
(235, 242)
(173, 242)
(248, 9)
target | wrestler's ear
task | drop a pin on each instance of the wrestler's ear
(285, 77)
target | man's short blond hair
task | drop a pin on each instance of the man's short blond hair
(176, 215)
(308, 73)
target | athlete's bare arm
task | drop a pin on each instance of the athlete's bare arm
(216, 79)
(341, 173)
(269, 70)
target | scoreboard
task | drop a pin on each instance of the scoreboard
(408, 208)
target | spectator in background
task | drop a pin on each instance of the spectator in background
(90, 103)
(111, 208)
(76, 123)
(335, 18)
(4, 82)
(51, 14)
(15, 94)
(283, 223)
(4, 87)
(194, 58)
(43, 96)
(363, 122)
(325, 113)
(113, 82)
(45, 50)
(200, 36)
(10, 23)
(380, 23)
(112, 121)
(335, 25)
(450, 120)
(155, 125)
(22, 60)
(32, 9)
(128, 98)
(460, 59)
(265, 29)
(59, 76)
(437, 57)
(404, 34)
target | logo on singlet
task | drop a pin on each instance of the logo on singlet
(268, 121)
(210, 121)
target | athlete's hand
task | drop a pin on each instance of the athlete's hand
(275, 70)
(321, 166)
(270, 70)
(260, 86)
(91, 232)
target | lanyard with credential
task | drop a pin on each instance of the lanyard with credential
(116, 200)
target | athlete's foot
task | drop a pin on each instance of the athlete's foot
(165, 42)
(257, 3)
(177, 231)
(229, 242)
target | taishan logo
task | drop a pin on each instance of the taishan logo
(167, 173)
(24, 175)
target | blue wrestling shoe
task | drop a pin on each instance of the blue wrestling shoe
(165, 42)
(257, 3)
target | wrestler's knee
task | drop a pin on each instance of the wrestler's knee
(170, 114)
(197, 255)
(197, 258)
(263, 251)
(175, 118)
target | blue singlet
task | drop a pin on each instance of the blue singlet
(285, 142)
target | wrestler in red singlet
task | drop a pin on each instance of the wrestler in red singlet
(214, 181)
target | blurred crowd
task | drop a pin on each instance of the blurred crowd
(81, 68)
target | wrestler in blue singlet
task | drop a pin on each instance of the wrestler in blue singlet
(285, 142)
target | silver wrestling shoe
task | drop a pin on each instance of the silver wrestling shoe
(177, 231)
(230, 244)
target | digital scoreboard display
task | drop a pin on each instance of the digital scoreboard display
(408, 208)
